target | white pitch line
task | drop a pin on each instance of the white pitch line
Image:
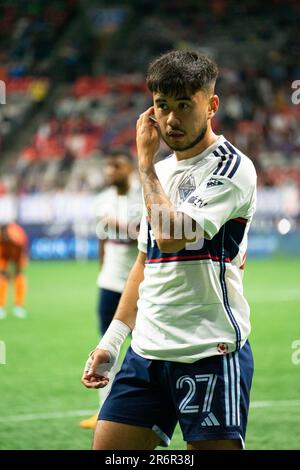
(45, 416)
(284, 296)
(74, 413)
(274, 403)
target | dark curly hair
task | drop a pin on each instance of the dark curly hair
(180, 72)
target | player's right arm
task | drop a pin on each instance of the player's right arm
(127, 308)
(106, 354)
(101, 252)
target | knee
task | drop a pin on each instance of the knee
(97, 439)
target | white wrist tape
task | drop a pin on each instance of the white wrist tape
(101, 369)
(113, 339)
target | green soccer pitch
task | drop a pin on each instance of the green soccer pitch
(42, 399)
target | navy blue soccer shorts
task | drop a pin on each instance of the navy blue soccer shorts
(209, 398)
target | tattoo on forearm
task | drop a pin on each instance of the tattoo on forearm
(160, 209)
(154, 194)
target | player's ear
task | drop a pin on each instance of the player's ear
(213, 106)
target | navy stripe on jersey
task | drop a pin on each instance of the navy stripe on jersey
(224, 151)
(230, 158)
(226, 167)
(225, 293)
(211, 250)
(236, 165)
(230, 147)
(229, 154)
(220, 164)
(155, 256)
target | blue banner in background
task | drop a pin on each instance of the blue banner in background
(59, 243)
(63, 248)
(270, 243)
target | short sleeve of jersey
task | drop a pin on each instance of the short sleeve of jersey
(220, 199)
(143, 234)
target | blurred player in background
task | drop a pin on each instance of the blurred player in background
(118, 208)
(13, 253)
(190, 359)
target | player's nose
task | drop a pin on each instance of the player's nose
(172, 120)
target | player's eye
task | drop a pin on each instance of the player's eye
(183, 106)
(162, 106)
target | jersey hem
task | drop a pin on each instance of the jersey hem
(151, 357)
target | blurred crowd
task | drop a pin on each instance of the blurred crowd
(66, 151)
(29, 32)
(256, 45)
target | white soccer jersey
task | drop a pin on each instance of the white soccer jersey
(191, 303)
(120, 251)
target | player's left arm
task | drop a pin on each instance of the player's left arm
(164, 219)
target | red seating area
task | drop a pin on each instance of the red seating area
(257, 67)
(112, 98)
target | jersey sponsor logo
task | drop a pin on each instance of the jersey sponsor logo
(213, 182)
(197, 201)
(187, 187)
(222, 348)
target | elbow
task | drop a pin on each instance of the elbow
(170, 245)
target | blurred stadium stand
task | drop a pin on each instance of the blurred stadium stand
(74, 75)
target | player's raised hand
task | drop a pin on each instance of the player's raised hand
(95, 374)
(147, 138)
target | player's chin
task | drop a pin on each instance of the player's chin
(177, 146)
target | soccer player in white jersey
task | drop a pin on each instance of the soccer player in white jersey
(118, 209)
(190, 359)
